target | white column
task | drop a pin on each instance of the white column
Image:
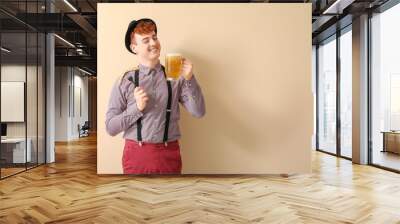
(360, 90)
(50, 109)
(50, 92)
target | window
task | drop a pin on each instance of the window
(327, 95)
(385, 88)
(346, 93)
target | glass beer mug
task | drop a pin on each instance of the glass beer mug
(173, 64)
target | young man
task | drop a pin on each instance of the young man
(145, 106)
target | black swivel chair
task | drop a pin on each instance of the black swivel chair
(84, 130)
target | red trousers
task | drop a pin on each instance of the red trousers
(151, 158)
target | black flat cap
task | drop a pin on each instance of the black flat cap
(130, 29)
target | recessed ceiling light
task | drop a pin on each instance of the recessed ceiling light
(5, 50)
(70, 5)
(338, 6)
(64, 40)
(84, 71)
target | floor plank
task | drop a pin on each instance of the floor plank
(70, 191)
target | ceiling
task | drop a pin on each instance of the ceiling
(76, 22)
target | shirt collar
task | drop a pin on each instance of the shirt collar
(147, 71)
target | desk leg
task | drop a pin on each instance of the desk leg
(384, 143)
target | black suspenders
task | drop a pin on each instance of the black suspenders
(139, 121)
(167, 115)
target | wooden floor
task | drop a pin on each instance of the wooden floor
(387, 159)
(70, 191)
(8, 171)
(5, 172)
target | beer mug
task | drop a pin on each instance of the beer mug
(173, 64)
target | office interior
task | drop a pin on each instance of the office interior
(48, 108)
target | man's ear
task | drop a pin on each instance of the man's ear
(133, 48)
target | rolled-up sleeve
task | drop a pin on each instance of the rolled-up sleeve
(120, 115)
(191, 97)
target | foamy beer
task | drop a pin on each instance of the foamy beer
(173, 64)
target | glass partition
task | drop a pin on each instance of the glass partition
(22, 88)
(13, 98)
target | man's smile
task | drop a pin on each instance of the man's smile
(153, 50)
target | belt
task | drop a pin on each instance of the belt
(153, 144)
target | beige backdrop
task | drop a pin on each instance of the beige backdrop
(253, 62)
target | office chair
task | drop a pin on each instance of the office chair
(84, 130)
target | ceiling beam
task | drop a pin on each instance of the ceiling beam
(85, 25)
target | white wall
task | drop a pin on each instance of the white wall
(15, 72)
(80, 89)
(33, 128)
(70, 83)
(61, 103)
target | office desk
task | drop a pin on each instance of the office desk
(391, 141)
(13, 150)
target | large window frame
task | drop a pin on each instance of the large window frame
(334, 37)
(387, 5)
(381, 9)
